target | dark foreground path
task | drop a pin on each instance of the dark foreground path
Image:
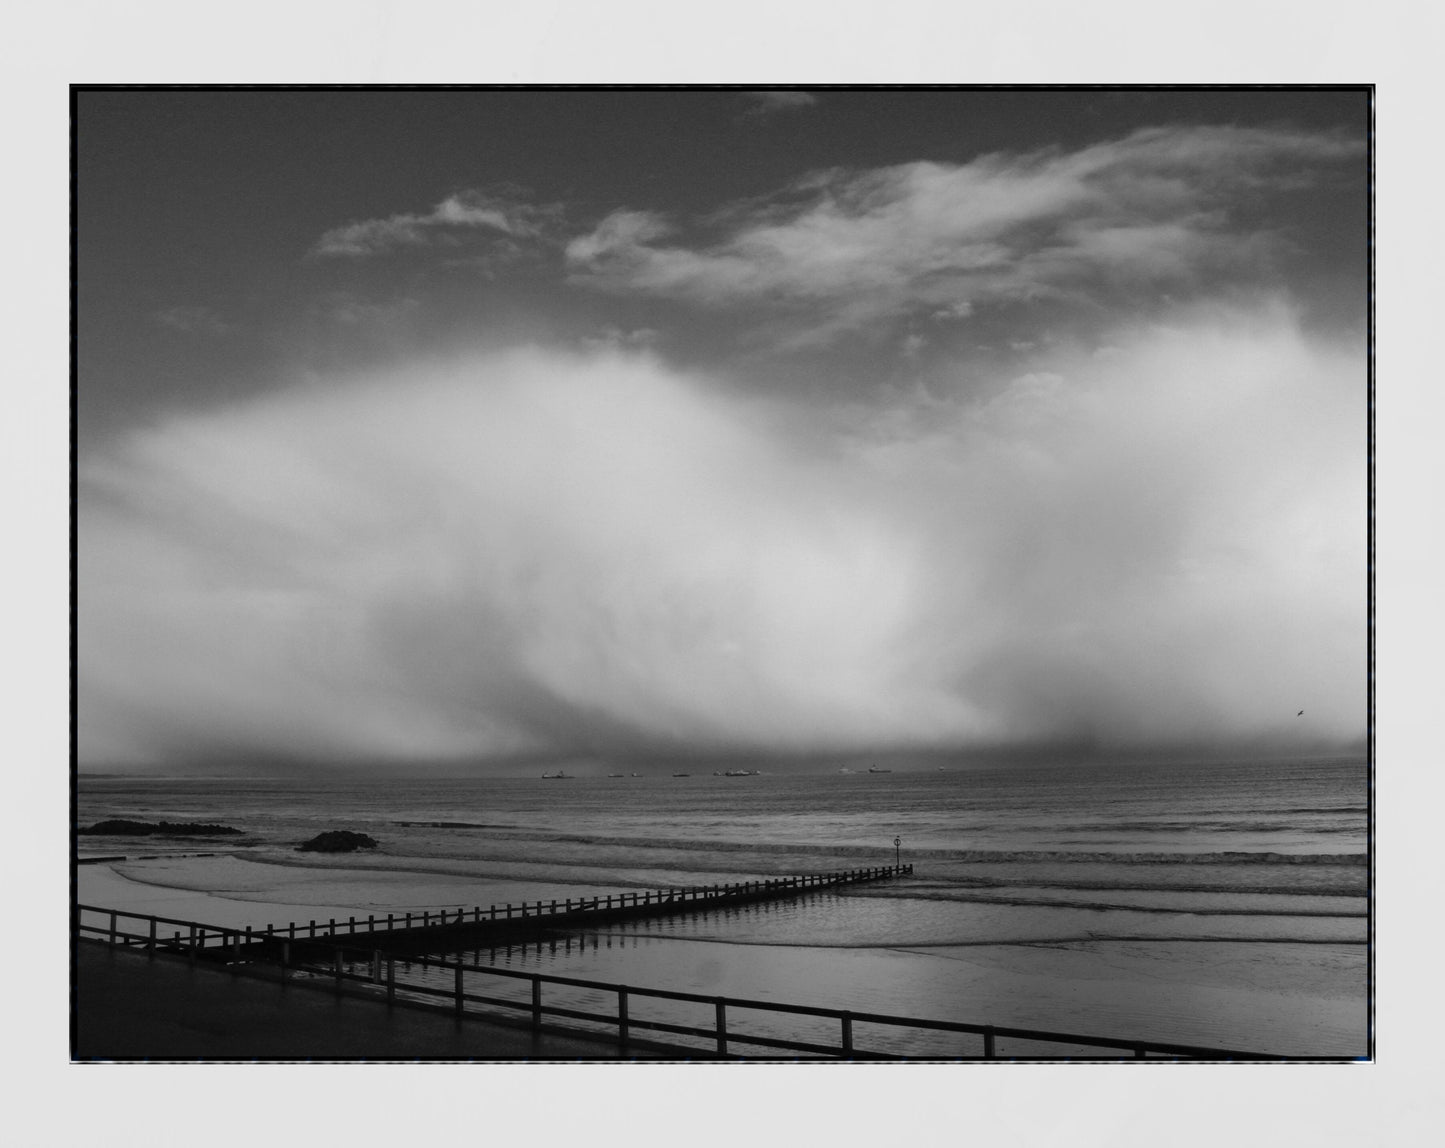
(129, 1007)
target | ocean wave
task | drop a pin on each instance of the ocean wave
(978, 856)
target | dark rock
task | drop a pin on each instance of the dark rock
(120, 827)
(337, 841)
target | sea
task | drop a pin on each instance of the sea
(1216, 904)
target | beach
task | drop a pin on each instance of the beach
(1238, 920)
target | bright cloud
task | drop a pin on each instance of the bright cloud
(542, 552)
(846, 249)
(779, 100)
(454, 218)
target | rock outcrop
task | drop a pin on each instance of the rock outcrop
(337, 841)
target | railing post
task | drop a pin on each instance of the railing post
(112, 928)
(988, 1043)
(621, 1014)
(153, 935)
(848, 1034)
(536, 1001)
(285, 959)
(722, 1027)
(376, 966)
(459, 989)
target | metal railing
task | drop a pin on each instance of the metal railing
(341, 962)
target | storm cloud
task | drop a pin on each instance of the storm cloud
(1151, 539)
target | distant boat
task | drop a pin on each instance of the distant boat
(875, 769)
(558, 776)
(682, 775)
(741, 773)
(618, 775)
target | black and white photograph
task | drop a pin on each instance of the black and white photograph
(710, 573)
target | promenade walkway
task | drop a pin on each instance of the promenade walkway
(132, 1007)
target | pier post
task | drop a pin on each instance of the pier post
(390, 979)
(112, 928)
(988, 1043)
(285, 959)
(536, 1001)
(376, 966)
(153, 936)
(848, 1034)
(722, 1027)
(352, 922)
(459, 990)
(621, 1014)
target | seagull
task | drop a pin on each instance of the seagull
(1300, 714)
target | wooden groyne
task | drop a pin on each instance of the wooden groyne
(456, 929)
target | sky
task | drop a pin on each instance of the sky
(478, 427)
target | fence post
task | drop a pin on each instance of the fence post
(848, 1034)
(988, 1043)
(112, 928)
(622, 1014)
(722, 1027)
(536, 1001)
(459, 989)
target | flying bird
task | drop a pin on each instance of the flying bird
(1300, 714)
